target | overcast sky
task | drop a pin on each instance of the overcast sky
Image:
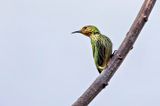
(42, 64)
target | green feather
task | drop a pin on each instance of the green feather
(102, 50)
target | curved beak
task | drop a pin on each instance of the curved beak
(76, 32)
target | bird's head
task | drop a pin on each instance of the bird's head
(88, 30)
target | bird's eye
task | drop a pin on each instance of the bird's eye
(84, 27)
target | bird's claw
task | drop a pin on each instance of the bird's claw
(113, 53)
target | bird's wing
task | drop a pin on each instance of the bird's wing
(100, 53)
(96, 54)
(102, 49)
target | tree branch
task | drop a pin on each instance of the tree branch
(127, 44)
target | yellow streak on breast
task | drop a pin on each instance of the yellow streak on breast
(94, 37)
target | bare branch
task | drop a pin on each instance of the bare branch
(127, 44)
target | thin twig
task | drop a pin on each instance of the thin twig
(127, 44)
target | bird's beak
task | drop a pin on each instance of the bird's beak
(76, 32)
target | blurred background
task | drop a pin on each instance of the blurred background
(42, 64)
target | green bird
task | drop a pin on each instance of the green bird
(101, 46)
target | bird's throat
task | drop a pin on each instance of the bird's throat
(94, 37)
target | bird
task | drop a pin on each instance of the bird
(101, 46)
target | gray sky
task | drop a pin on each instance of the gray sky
(42, 64)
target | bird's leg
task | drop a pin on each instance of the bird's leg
(113, 53)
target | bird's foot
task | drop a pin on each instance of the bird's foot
(113, 53)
